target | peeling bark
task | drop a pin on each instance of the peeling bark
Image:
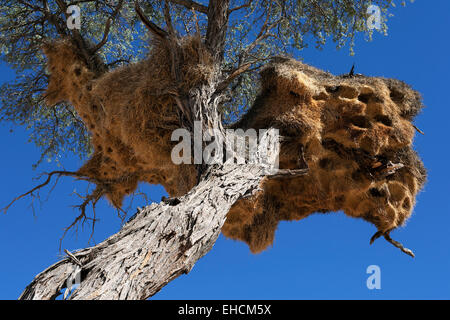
(157, 245)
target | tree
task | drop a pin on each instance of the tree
(209, 55)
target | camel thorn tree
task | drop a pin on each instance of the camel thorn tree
(345, 142)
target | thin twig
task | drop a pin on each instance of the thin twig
(154, 29)
(191, 5)
(46, 182)
(107, 27)
(246, 5)
(168, 20)
(418, 130)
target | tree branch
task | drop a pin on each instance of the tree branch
(191, 5)
(245, 5)
(396, 244)
(46, 182)
(288, 173)
(162, 242)
(107, 27)
(234, 74)
(168, 19)
(244, 66)
(154, 29)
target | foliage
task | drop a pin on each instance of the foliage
(257, 30)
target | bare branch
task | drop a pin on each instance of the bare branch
(191, 5)
(388, 238)
(246, 5)
(154, 29)
(92, 199)
(46, 182)
(244, 66)
(107, 27)
(398, 245)
(237, 72)
(168, 19)
(115, 62)
(418, 130)
(105, 37)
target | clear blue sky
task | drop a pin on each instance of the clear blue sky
(321, 257)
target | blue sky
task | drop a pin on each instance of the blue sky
(321, 257)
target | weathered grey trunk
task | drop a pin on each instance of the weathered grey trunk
(163, 240)
(160, 243)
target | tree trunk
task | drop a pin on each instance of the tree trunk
(160, 243)
(163, 240)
